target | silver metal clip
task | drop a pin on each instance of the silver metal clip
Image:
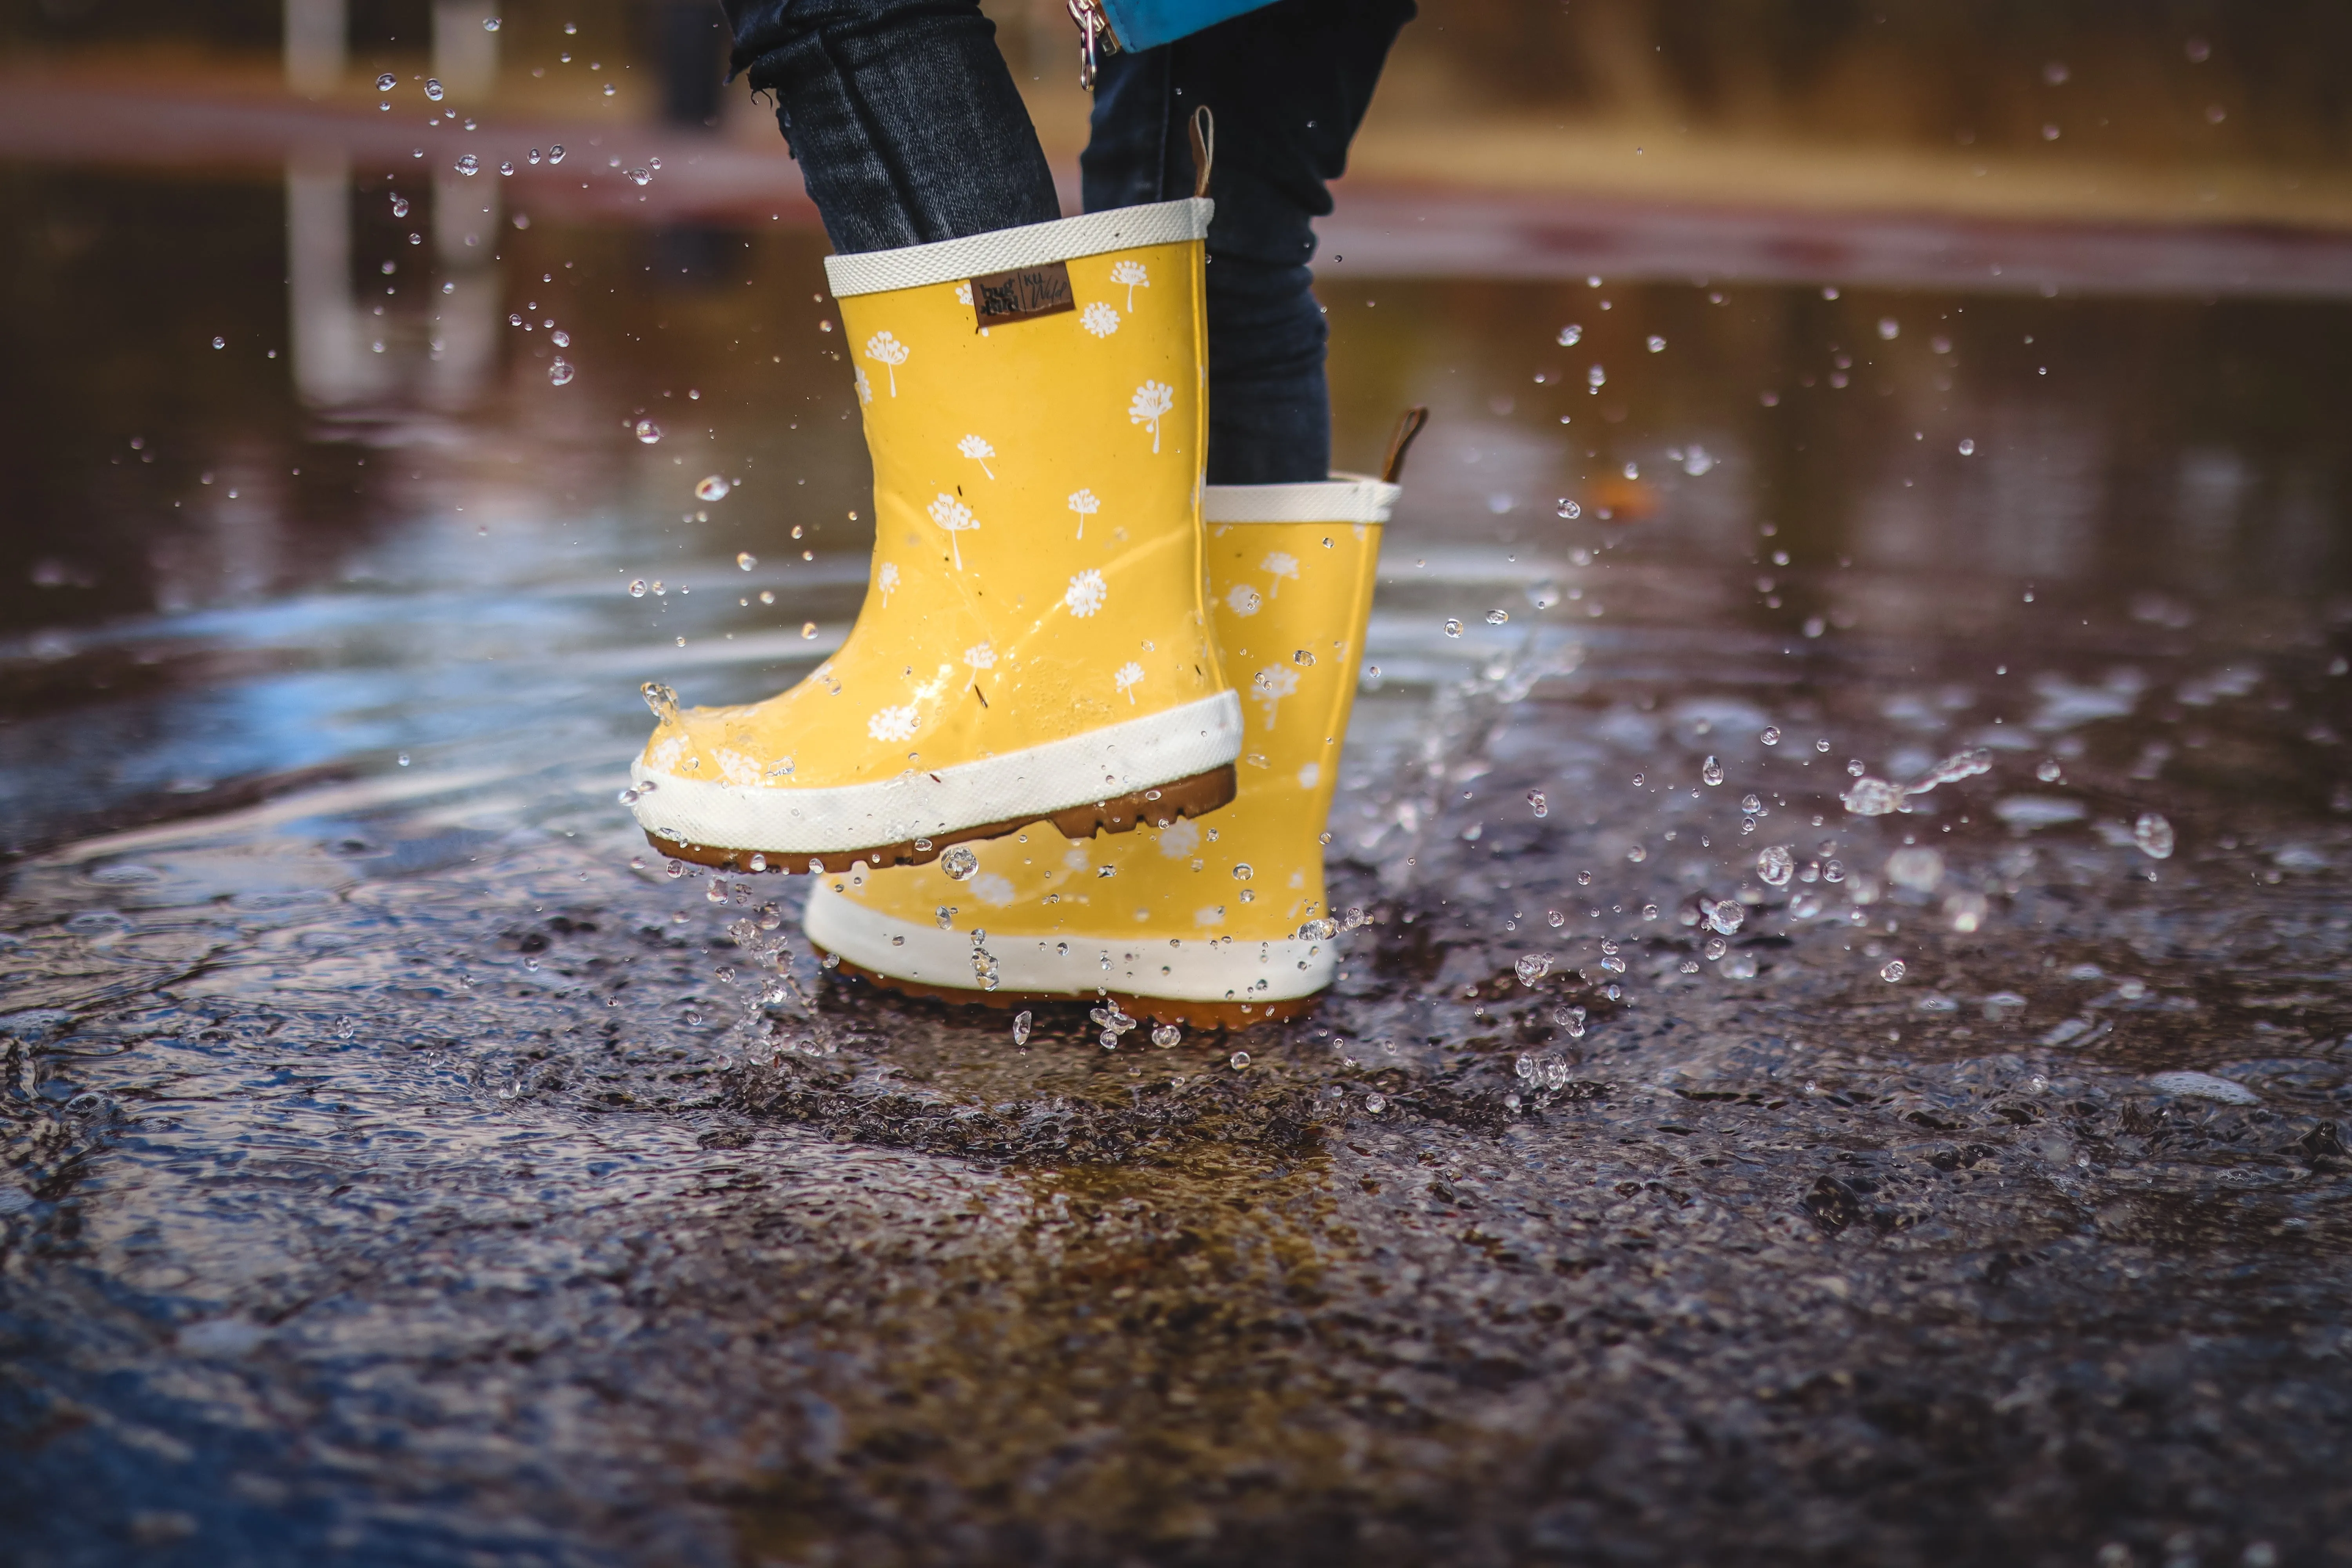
(1094, 35)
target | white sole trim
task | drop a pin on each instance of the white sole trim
(1032, 244)
(1339, 500)
(1037, 781)
(1181, 970)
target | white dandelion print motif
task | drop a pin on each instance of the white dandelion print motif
(1131, 275)
(1152, 399)
(864, 385)
(1278, 566)
(1244, 600)
(665, 757)
(955, 517)
(735, 767)
(892, 724)
(1178, 838)
(1272, 684)
(963, 293)
(1099, 319)
(1126, 679)
(979, 656)
(887, 351)
(1083, 502)
(886, 579)
(1086, 594)
(979, 451)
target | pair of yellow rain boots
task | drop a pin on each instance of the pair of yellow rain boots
(1054, 605)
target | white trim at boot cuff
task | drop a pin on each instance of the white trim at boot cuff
(1032, 244)
(1342, 497)
(1196, 969)
(784, 822)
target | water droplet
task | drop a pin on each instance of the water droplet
(402, 759)
(1770, 737)
(629, 797)
(386, 82)
(1497, 617)
(1872, 798)
(713, 487)
(640, 176)
(561, 373)
(808, 629)
(1535, 799)
(433, 88)
(467, 164)
(648, 431)
(1637, 854)
(638, 588)
(1021, 1027)
(1596, 378)
(1726, 916)
(960, 863)
(1893, 972)
(2154, 835)
(1657, 344)
(745, 560)
(661, 699)
(1570, 509)
(1555, 918)
(1242, 873)
(1716, 948)
(490, 24)
(1570, 336)
(1821, 745)
(1968, 448)
(1240, 1060)
(1572, 1019)
(220, 342)
(555, 154)
(2049, 772)
(1302, 657)
(1376, 1103)
(1453, 627)
(1711, 772)
(1889, 327)
(1738, 966)
(1776, 865)
(1166, 1034)
(1532, 967)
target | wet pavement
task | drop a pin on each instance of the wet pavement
(401, 1167)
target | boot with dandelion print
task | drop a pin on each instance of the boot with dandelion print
(1034, 645)
(1215, 923)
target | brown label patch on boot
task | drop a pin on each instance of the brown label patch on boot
(1022, 294)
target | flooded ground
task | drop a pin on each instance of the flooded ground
(400, 1167)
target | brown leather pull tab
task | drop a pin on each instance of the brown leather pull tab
(1204, 148)
(1408, 426)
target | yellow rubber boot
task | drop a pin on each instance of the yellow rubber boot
(1034, 643)
(1219, 923)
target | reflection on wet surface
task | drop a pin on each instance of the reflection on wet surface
(396, 1169)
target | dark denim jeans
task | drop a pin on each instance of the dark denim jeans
(909, 128)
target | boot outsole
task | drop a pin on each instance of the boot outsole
(1226, 1016)
(1161, 806)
